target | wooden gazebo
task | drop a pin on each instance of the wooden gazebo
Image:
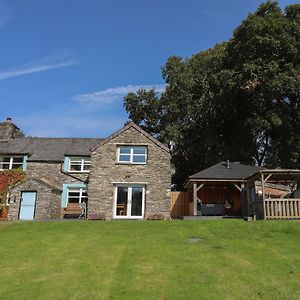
(220, 190)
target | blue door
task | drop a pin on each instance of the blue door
(27, 206)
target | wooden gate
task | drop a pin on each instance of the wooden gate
(179, 204)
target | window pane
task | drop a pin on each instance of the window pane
(139, 150)
(125, 150)
(122, 194)
(16, 166)
(86, 167)
(137, 200)
(84, 193)
(74, 193)
(73, 199)
(125, 158)
(74, 167)
(75, 163)
(73, 196)
(4, 166)
(4, 163)
(75, 160)
(18, 160)
(139, 159)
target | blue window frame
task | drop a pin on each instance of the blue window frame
(73, 193)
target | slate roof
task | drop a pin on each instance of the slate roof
(55, 149)
(48, 149)
(220, 171)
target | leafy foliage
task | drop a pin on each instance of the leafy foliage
(7, 180)
(238, 100)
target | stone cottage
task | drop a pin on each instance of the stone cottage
(125, 176)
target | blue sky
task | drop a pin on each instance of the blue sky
(66, 65)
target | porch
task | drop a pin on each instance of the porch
(216, 198)
(219, 190)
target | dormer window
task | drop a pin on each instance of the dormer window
(11, 162)
(79, 164)
(132, 154)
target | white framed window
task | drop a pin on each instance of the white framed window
(132, 154)
(11, 162)
(77, 195)
(79, 164)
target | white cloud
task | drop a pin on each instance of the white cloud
(57, 60)
(111, 95)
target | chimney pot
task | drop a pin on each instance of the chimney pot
(8, 120)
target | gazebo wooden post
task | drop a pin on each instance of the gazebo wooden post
(195, 197)
(263, 194)
(196, 188)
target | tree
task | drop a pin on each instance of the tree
(238, 100)
(145, 109)
(265, 53)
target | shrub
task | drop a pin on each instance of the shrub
(8, 179)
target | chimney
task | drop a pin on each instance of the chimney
(8, 130)
(227, 164)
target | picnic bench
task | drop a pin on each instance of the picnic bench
(75, 209)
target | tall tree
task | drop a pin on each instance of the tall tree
(264, 53)
(238, 100)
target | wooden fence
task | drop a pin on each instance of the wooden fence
(179, 204)
(278, 208)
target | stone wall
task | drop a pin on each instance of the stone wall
(105, 171)
(48, 204)
(52, 173)
(48, 200)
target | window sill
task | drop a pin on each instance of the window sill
(78, 172)
(129, 163)
(128, 218)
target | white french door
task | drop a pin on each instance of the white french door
(129, 202)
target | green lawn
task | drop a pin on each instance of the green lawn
(150, 260)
